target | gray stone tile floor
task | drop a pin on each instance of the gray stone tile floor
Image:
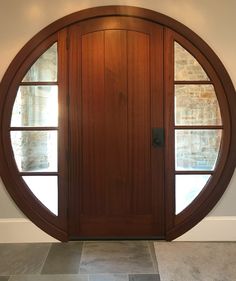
(180, 261)
(118, 261)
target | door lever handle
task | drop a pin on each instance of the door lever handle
(157, 137)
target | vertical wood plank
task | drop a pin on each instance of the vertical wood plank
(75, 146)
(116, 121)
(63, 127)
(93, 124)
(139, 113)
(169, 131)
(157, 121)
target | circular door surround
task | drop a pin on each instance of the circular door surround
(176, 225)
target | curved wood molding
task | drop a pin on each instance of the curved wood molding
(176, 225)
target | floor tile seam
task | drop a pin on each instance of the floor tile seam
(43, 263)
(120, 273)
(126, 275)
(47, 274)
(81, 255)
(153, 256)
(155, 273)
(84, 274)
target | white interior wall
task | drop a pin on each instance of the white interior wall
(213, 20)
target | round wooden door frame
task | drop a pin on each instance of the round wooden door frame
(174, 227)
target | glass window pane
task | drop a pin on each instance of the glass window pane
(45, 67)
(45, 189)
(196, 105)
(187, 68)
(35, 151)
(187, 188)
(35, 106)
(197, 149)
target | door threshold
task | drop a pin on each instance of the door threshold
(116, 238)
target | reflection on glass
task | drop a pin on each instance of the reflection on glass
(35, 106)
(187, 68)
(45, 189)
(196, 149)
(35, 151)
(196, 105)
(45, 68)
(187, 188)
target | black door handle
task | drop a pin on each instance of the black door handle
(158, 137)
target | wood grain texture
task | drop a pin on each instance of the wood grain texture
(93, 118)
(121, 185)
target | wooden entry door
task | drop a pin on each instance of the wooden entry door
(116, 98)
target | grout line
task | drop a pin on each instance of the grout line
(43, 263)
(116, 273)
(82, 253)
(153, 256)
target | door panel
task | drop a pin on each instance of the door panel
(139, 119)
(93, 118)
(118, 189)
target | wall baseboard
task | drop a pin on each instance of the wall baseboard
(212, 229)
(22, 231)
(209, 229)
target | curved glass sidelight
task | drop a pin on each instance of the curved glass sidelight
(34, 126)
(187, 188)
(45, 68)
(196, 105)
(33, 107)
(45, 188)
(196, 148)
(187, 68)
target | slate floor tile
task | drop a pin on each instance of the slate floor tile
(194, 261)
(63, 258)
(108, 277)
(153, 256)
(54, 277)
(116, 257)
(22, 258)
(144, 277)
(4, 278)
